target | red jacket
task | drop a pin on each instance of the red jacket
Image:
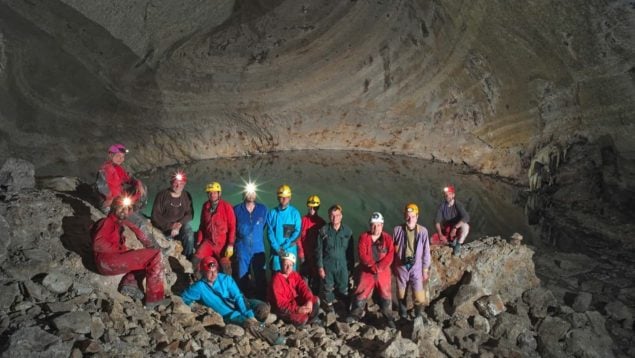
(108, 238)
(308, 235)
(288, 293)
(111, 180)
(383, 248)
(218, 227)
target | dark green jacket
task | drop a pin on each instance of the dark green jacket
(334, 248)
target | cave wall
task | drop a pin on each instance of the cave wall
(485, 83)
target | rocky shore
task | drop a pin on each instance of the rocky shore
(488, 302)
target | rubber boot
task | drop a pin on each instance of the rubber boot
(357, 311)
(456, 251)
(386, 310)
(403, 308)
(420, 310)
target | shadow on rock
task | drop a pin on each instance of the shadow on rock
(76, 228)
(182, 278)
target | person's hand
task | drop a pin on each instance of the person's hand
(176, 227)
(229, 251)
(141, 189)
(281, 252)
(426, 275)
(374, 269)
(304, 309)
(443, 238)
(322, 273)
(301, 260)
(453, 232)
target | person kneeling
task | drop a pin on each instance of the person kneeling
(220, 292)
(291, 297)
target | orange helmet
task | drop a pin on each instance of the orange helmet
(411, 208)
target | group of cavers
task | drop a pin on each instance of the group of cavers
(311, 260)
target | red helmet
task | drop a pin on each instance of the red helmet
(449, 189)
(207, 263)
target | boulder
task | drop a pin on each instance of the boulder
(540, 301)
(34, 342)
(494, 265)
(232, 330)
(5, 239)
(480, 323)
(57, 282)
(66, 184)
(427, 335)
(16, 175)
(620, 313)
(10, 291)
(550, 333)
(490, 306)
(78, 322)
(400, 347)
(582, 302)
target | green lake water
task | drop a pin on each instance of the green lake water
(361, 182)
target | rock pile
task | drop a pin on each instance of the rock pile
(487, 302)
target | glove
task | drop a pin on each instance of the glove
(229, 251)
(281, 252)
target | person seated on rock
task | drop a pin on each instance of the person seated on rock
(311, 224)
(290, 296)
(172, 213)
(112, 256)
(335, 258)
(412, 260)
(220, 292)
(217, 231)
(451, 222)
(113, 181)
(376, 253)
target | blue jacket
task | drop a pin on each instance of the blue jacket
(223, 296)
(250, 229)
(283, 229)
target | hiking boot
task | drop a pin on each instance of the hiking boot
(403, 309)
(316, 321)
(391, 323)
(456, 251)
(132, 291)
(329, 307)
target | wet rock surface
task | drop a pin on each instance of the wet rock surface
(481, 306)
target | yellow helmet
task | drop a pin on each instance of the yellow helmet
(313, 201)
(411, 207)
(284, 191)
(213, 186)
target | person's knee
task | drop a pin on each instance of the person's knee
(420, 297)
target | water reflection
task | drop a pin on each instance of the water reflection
(361, 183)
